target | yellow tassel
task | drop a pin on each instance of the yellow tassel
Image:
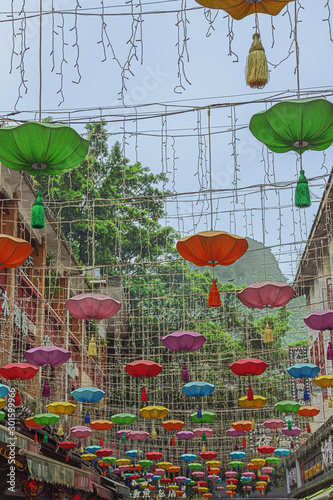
(92, 348)
(203, 448)
(329, 403)
(60, 431)
(268, 334)
(257, 68)
(274, 439)
(253, 424)
(81, 449)
(154, 434)
(138, 451)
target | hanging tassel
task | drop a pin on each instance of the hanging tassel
(125, 447)
(46, 393)
(60, 431)
(291, 445)
(138, 452)
(268, 334)
(289, 426)
(154, 434)
(282, 463)
(81, 449)
(92, 347)
(67, 458)
(214, 299)
(123, 438)
(36, 437)
(244, 442)
(203, 448)
(17, 400)
(329, 354)
(144, 398)
(329, 402)
(101, 441)
(266, 463)
(236, 447)
(185, 375)
(308, 429)
(256, 67)
(249, 394)
(275, 438)
(306, 396)
(87, 418)
(204, 438)
(173, 441)
(185, 449)
(253, 424)
(199, 415)
(45, 438)
(104, 473)
(302, 193)
(38, 214)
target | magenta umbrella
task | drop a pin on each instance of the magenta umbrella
(230, 473)
(185, 435)
(198, 473)
(234, 433)
(212, 477)
(274, 423)
(266, 294)
(81, 431)
(320, 320)
(180, 479)
(47, 355)
(92, 306)
(184, 341)
(138, 435)
(294, 431)
(120, 433)
(248, 474)
(199, 432)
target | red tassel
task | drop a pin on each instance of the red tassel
(104, 473)
(266, 464)
(17, 401)
(254, 477)
(214, 299)
(67, 458)
(144, 398)
(101, 441)
(244, 442)
(173, 442)
(308, 430)
(249, 394)
(36, 438)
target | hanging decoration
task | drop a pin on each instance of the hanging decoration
(61, 408)
(173, 425)
(13, 251)
(88, 394)
(184, 342)
(143, 369)
(248, 367)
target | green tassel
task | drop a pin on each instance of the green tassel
(38, 214)
(289, 425)
(302, 194)
(45, 438)
(204, 438)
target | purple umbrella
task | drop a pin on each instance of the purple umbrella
(185, 435)
(184, 341)
(212, 477)
(149, 475)
(138, 435)
(294, 431)
(320, 320)
(234, 433)
(199, 432)
(248, 474)
(120, 433)
(47, 355)
(117, 471)
(180, 479)
(266, 294)
(91, 306)
(81, 431)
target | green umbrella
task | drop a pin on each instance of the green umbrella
(191, 483)
(287, 406)
(2, 415)
(41, 147)
(272, 460)
(109, 460)
(206, 417)
(296, 125)
(140, 480)
(145, 463)
(195, 466)
(236, 463)
(123, 419)
(46, 419)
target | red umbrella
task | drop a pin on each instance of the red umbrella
(18, 371)
(266, 294)
(154, 455)
(266, 450)
(91, 306)
(67, 445)
(248, 367)
(208, 455)
(104, 452)
(143, 369)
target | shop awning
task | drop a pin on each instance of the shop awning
(323, 494)
(103, 492)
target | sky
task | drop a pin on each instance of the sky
(214, 77)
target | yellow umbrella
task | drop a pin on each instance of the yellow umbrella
(231, 486)
(61, 408)
(88, 456)
(122, 461)
(261, 483)
(258, 402)
(3, 403)
(213, 463)
(203, 489)
(154, 412)
(164, 465)
(258, 461)
(324, 381)
(173, 487)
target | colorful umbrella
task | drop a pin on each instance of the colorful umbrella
(256, 402)
(61, 408)
(47, 355)
(266, 294)
(18, 371)
(173, 425)
(143, 369)
(198, 389)
(207, 417)
(13, 251)
(88, 394)
(320, 320)
(250, 367)
(123, 419)
(81, 431)
(92, 306)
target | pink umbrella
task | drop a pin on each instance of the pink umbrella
(124, 468)
(320, 320)
(219, 488)
(185, 435)
(149, 475)
(184, 341)
(234, 433)
(248, 474)
(159, 472)
(195, 488)
(266, 294)
(81, 431)
(120, 433)
(198, 432)
(274, 423)
(212, 477)
(47, 355)
(229, 474)
(117, 471)
(91, 306)
(198, 473)
(247, 488)
(267, 470)
(294, 431)
(138, 435)
(180, 479)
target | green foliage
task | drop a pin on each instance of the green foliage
(299, 342)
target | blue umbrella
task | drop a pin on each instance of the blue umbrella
(92, 449)
(188, 457)
(188, 480)
(88, 394)
(302, 370)
(237, 455)
(133, 453)
(198, 389)
(4, 390)
(246, 479)
(282, 452)
(156, 478)
(219, 480)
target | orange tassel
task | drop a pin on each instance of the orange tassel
(173, 442)
(244, 442)
(36, 438)
(214, 299)
(308, 430)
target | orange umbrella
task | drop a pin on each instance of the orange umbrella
(212, 248)
(308, 411)
(173, 425)
(101, 425)
(13, 251)
(242, 425)
(238, 9)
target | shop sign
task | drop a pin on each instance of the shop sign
(313, 471)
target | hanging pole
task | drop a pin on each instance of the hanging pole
(297, 54)
(210, 172)
(40, 61)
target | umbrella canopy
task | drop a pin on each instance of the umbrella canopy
(138, 435)
(143, 369)
(101, 425)
(81, 431)
(308, 411)
(266, 450)
(282, 452)
(256, 402)
(208, 455)
(125, 432)
(104, 452)
(13, 251)
(207, 417)
(92, 306)
(198, 389)
(47, 355)
(123, 419)
(294, 431)
(88, 394)
(4, 390)
(237, 455)
(46, 419)
(154, 455)
(194, 466)
(274, 423)
(266, 294)
(235, 433)
(307, 370)
(92, 449)
(320, 320)
(288, 406)
(187, 435)
(188, 457)
(323, 381)
(184, 341)
(18, 371)
(173, 425)
(248, 367)
(154, 412)
(61, 408)
(242, 425)
(199, 432)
